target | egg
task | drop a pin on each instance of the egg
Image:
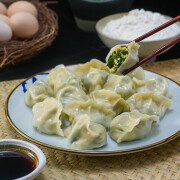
(5, 19)
(22, 6)
(5, 31)
(3, 8)
(24, 25)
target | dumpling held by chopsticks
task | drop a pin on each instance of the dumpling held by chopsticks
(122, 57)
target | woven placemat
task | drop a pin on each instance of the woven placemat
(159, 163)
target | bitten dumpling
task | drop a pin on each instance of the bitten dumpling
(149, 103)
(122, 85)
(154, 84)
(86, 134)
(122, 57)
(37, 92)
(130, 126)
(47, 116)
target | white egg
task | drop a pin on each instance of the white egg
(5, 31)
(5, 19)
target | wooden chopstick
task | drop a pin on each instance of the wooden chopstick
(155, 53)
(163, 48)
(168, 23)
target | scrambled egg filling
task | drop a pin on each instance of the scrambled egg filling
(117, 58)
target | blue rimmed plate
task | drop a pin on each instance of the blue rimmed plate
(20, 117)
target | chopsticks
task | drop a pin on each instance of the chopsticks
(155, 53)
(158, 51)
(159, 28)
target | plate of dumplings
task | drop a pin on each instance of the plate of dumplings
(86, 110)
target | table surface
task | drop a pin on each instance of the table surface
(74, 46)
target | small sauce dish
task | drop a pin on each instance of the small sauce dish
(20, 160)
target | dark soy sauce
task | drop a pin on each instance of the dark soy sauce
(15, 165)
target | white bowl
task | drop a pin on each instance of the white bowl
(29, 149)
(146, 46)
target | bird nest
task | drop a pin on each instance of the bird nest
(17, 50)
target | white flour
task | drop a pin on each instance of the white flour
(137, 23)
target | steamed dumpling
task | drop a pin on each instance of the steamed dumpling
(77, 108)
(86, 134)
(47, 116)
(149, 103)
(95, 79)
(122, 85)
(122, 57)
(106, 105)
(96, 114)
(154, 84)
(56, 75)
(82, 70)
(59, 77)
(138, 73)
(37, 92)
(69, 94)
(99, 114)
(109, 100)
(130, 126)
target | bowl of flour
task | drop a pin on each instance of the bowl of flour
(123, 28)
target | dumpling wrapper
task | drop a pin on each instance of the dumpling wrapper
(95, 79)
(138, 73)
(47, 116)
(124, 56)
(122, 85)
(106, 105)
(97, 113)
(69, 94)
(37, 92)
(154, 84)
(83, 69)
(86, 134)
(59, 77)
(130, 126)
(109, 100)
(98, 108)
(149, 103)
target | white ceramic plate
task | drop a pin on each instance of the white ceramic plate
(20, 117)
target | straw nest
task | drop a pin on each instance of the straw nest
(17, 50)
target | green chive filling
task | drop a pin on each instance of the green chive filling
(117, 58)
